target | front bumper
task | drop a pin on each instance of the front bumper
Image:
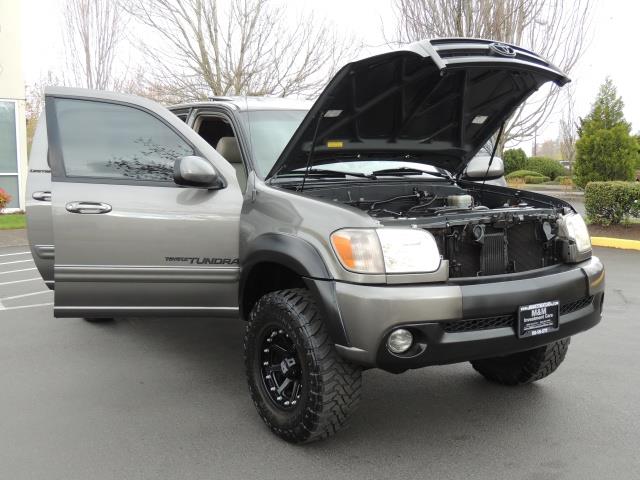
(466, 319)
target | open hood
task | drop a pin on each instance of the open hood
(438, 101)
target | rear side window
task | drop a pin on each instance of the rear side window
(108, 141)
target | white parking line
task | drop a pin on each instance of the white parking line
(21, 281)
(25, 295)
(3, 308)
(11, 254)
(15, 261)
(16, 271)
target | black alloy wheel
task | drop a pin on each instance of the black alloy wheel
(281, 369)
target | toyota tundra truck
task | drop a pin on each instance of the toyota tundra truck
(358, 231)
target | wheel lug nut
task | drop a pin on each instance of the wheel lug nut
(273, 389)
(278, 398)
(280, 331)
(268, 377)
(269, 340)
(287, 402)
(266, 350)
(265, 363)
(293, 402)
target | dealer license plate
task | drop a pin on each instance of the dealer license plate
(538, 319)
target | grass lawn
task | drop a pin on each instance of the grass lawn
(12, 221)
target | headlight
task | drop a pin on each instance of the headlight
(358, 250)
(573, 228)
(386, 250)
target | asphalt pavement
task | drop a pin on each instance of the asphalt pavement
(167, 399)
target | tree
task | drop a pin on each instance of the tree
(35, 102)
(607, 111)
(568, 131)
(93, 32)
(514, 159)
(605, 150)
(605, 154)
(555, 29)
(248, 47)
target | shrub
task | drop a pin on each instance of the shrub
(522, 174)
(4, 199)
(514, 159)
(515, 182)
(564, 180)
(605, 154)
(535, 179)
(546, 166)
(610, 203)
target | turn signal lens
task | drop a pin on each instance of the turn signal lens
(358, 250)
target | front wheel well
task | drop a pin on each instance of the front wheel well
(263, 278)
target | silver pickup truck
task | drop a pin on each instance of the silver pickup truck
(351, 233)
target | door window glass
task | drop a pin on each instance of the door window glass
(8, 144)
(9, 183)
(104, 140)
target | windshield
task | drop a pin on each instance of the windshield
(269, 132)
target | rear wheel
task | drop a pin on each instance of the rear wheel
(99, 320)
(524, 367)
(302, 389)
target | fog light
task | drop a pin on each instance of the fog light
(399, 341)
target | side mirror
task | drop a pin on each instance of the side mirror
(193, 171)
(478, 168)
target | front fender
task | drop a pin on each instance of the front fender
(303, 259)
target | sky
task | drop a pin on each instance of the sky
(610, 51)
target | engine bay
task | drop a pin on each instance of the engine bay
(480, 230)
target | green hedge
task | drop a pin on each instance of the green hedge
(611, 203)
(545, 166)
(522, 174)
(535, 179)
(514, 159)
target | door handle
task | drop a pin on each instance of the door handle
(42, 196)
(88, 207)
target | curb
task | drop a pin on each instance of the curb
(609, 242)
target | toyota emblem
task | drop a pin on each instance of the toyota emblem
(502, 49)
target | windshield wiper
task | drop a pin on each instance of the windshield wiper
(406, 171)
(323, 172)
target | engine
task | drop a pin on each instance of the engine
(481, 231)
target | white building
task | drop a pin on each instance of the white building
(13, 145)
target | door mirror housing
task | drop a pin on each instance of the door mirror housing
(478, 168)
(194, 171)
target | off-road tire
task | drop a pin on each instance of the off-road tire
(523, 367)
(330, 386)
(99, 320)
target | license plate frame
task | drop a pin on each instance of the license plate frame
(538, 318)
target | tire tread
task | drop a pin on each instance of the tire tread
(524, 367)
(336, 383)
